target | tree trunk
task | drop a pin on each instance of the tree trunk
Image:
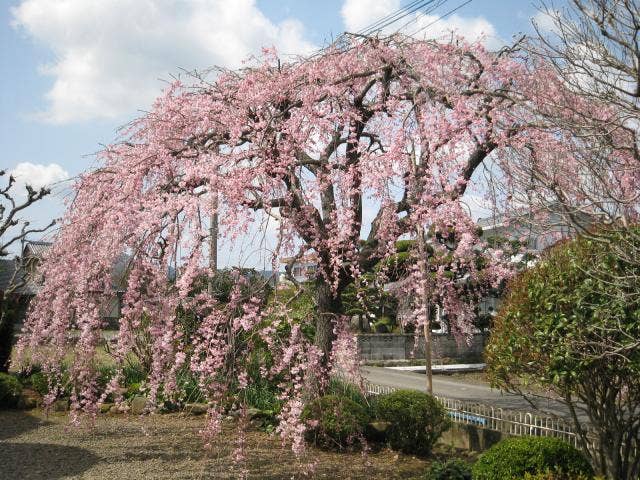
(329, 307)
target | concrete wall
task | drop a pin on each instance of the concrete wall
(471, 437)
(397, 346)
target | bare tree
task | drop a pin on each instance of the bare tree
(14, 230)
(594, 47)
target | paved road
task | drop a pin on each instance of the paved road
(452, 388)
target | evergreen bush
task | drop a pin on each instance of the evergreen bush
(512, 458)
(334, 422)
(417, 420)
(10, 391)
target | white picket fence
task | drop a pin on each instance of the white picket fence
(498, 419)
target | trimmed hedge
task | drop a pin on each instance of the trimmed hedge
(417, 420)
(453, 469)
(512, 458)
(334, 422)
(10, 391)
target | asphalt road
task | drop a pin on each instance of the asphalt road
(446, 386)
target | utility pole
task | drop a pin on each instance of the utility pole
(213, 241)
(424, 273)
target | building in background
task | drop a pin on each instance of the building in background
(23, 271)
(19, 274)
(303, 269)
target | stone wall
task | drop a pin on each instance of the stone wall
(398, 346)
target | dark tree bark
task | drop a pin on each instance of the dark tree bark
(329, 307)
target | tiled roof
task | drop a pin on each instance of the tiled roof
(37, 248)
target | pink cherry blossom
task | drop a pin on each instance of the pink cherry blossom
(396, 123)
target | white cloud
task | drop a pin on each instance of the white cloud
(472, 29)
(358, 14)
(545, 22)
(110, 54)
(38, 175)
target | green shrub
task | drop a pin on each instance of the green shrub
(512, 458)
(417, 420)
(27, 370)
(133, 389)
(562, 325)
(10, 391)
(383, 324)
(39, 382)
(133, 374)
(453, 469)
(555, 475)
(189, 388)
(334, 422)
(342, 388)
(263, 397)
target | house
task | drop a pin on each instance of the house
(534, 232)
(24, 269)
(17, 275)
(303, 269)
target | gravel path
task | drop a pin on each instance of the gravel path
(166, 447)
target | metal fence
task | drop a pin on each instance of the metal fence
(498, 419)
(509, 422)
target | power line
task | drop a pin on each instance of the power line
(417, 7)
(418, 15)
(442, 17)
(415, 18)
(387, 17)
(394, 16)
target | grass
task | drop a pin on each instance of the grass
(169, 446)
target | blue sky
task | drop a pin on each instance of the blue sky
(75, 70)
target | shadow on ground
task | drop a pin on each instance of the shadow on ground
(17, 422)
(36, 461)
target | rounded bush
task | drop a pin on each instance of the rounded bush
(555, 475)
(10, 391)
(453, 469)
(334, 422)
(512, 458)
(417, 420)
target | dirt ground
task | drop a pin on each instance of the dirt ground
(33, 446)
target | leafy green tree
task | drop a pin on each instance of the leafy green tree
(569, 324)
(366, 298)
